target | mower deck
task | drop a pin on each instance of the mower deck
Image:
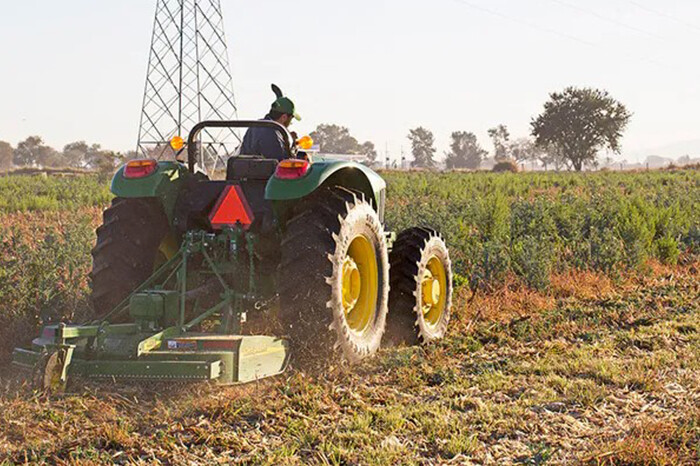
(166, 340)
(224, 359)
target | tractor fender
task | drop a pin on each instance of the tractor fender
(325, 172)
(164, 184)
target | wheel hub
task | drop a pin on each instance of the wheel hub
(433, 291)
(430, 291)
(352, 284)
(359, 284)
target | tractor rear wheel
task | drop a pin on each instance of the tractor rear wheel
(420, 300)
(334, 277)
(133, 240)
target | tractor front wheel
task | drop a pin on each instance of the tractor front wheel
(420, 300)
(334, 276)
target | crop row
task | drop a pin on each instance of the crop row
(531, 225)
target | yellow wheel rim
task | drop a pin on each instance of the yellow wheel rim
(434, 291)
(360, 284)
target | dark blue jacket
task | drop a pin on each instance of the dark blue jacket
(264, 141)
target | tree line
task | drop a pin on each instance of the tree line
(574, 127)
(33, 152)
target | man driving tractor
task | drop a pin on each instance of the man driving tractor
(266, 141)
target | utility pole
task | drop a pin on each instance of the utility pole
(189, 80)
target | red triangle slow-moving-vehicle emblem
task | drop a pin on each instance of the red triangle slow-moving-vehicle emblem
(231, 209)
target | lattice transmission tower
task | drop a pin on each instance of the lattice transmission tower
(189, 80)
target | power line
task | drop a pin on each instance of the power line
(561, 34)
(524, 23)
(665, 15)
(609, 20)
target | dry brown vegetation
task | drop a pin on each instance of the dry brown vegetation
(586, 374)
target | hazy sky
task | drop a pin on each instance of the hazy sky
(75, 69)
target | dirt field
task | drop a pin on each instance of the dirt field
(592, 373)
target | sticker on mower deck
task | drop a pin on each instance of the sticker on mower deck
(187, 345)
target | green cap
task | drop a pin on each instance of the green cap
(285, 105)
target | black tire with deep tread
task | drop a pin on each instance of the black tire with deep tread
(408, 259)
(126, 250)
(313, 242)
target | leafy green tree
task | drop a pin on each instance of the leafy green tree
(75, 153)
(500, 137)
(6, 152)
(551, 156)
(96, 158)
(33, 152)
(370, 152)
(107, 161)
(130, 155)
(422, 147)
(524, 150)
(465, 151)
(579, 123)
(335, 139)
(27, 151)
(81, 155)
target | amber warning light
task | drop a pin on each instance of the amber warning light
(140, 168)
(305, 143)
(177, 143)
(292, 169)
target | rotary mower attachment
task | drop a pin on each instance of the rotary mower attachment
(176, 332)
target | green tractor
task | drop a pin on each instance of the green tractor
(183, 265)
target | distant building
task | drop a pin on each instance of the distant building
(656, 161)
(348, 157)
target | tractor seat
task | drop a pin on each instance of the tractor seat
(244, 168)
